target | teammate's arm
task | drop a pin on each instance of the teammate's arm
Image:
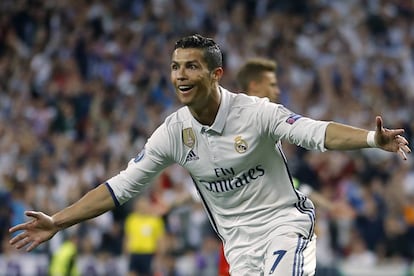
(42, 227)
(343, 137)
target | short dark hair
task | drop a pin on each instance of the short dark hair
(211, 50)
(252, 70)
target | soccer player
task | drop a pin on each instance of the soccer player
(226, 141)
(257, 77)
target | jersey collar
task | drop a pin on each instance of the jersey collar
(223, 111)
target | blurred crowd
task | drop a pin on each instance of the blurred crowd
(84, 83)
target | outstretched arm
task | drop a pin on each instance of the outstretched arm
(343, 137)
(42, 227)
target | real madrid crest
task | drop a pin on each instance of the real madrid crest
(240, 145)
(189, 137)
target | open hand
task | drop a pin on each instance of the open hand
(34, 232)
(391, 139)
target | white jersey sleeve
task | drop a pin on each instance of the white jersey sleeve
(142, 169)
(283, 124)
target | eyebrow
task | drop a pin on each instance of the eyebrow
(188, 61)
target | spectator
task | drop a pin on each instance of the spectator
(144, 232)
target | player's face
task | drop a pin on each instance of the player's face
(192, 80)
(266, 87)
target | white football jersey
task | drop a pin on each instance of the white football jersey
(242, 178)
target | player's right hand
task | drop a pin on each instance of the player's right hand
(34, 232)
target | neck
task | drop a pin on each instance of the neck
(208, 112)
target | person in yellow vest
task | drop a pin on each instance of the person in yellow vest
(63, 262)
(143, 233)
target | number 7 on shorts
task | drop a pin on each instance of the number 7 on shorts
(279, 255)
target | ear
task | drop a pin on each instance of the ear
(252, 86)
(217, 73)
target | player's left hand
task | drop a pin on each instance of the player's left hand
(391, 139)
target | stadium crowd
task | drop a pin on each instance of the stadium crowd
(83, 83)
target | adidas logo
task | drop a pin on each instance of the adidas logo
(191, 156)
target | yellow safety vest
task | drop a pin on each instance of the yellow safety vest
(63, 262)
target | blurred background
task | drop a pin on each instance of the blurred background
(84, 83)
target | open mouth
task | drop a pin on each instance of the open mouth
(185, 88)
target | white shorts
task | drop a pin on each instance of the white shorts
(290, 254)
